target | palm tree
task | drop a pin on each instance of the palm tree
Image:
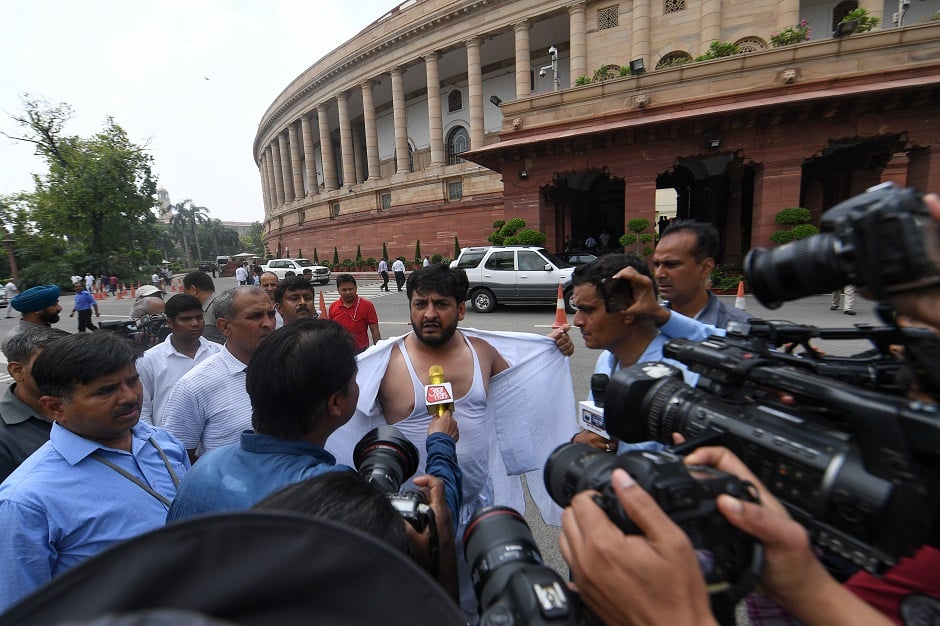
(186, 216)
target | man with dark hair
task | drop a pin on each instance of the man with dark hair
(398, 266)
(200, 284)
(355, 313)
(292, 420)
(293, 299)
(102, 477)
(498, 407)
(383, 273)
(23, 424)
(84, 303)
(601, 302)
(683, 260)
(167, 362)
(208, 407)
(38, 306)
(269, 281)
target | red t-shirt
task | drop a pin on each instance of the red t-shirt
(356, 319)
(909, 588)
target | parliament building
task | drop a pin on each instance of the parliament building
(444, 116)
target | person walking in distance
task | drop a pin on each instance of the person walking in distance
(11, 291)
(355, 313)
(84, 303)
(399, 268)
(849, 308)
(383, 272)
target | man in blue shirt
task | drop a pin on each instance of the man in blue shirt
(84, 303)
(302, 386)
(101, 478)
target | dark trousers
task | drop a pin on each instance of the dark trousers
(84, 321)
(399, 279)
(384, 276)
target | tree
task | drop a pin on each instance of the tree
(252, 242)
(636, 227)
(100, 190)
(220, 239)
(186, 216)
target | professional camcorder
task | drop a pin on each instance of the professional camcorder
(729, 558)
(509, 578)
(386, 459)
(144, 331)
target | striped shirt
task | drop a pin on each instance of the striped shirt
(209, 406)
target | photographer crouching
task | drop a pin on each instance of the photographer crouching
(885, 516)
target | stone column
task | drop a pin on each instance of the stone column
(358, 157)
(788, 14)
(295, 167)
(710, 22)
(288, 180)
(776, 187)
(475, 91)
(326, 149)
(345, 140)
(435, 121)
(523, 60)
(924, 168)
(310, 160)
(401, 122)
(372, 137)
(274, 173)
(264, 184)
(640, 41)
(578, 58)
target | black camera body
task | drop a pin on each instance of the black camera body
(856, 467)
(882, 240)
(144, 332)
(385, 458)
(730, 559)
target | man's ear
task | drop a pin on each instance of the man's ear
(461, 310)
(223, 325)
(52, 406)
(708, 265)
(16, 370)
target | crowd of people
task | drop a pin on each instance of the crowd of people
(250, 392)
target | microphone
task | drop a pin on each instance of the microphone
(591, 414)
(439, 396)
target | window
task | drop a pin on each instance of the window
(608, 17)
(673, 6)
(386, 201)
(470, 259)
(531, 261)
(280, 222)
(334, 210)
(501, 261)
(301, 217)
(454, 101)
(455, 190)
(750, 44)
(674, 59)
(842, 9)
(458, 140)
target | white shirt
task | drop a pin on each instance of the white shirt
(155, 278)
(89, 282)
(160, 368)
(209, 406)
(241, 274)
(10, 289)
(398, 266)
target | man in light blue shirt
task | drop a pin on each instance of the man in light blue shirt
(102, 477)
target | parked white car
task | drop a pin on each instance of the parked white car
(321, 274)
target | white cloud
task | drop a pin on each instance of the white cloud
(146, 62)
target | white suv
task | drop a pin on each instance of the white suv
(513, 274)
(279, 267)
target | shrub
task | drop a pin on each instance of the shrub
(456, 247)
(582, 80)
(866, 22)
(791, 35)
(802, 231)
(436, 258)
(719, 49)
(793, 216)
(625, 70)
(531, 237)
(335, 256)
(358, 254)
(781, 237)
(675, 61)
(929, 18)
(799, 219)
(724, 277)
(627, 240)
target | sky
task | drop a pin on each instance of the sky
(190, 79)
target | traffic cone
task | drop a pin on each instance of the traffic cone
(134, 290)
(324, 312)
(561, 319)
(120, 294)
(739, 302)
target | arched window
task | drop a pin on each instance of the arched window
(750, 44)
(842, 9)
(454, 101)
(673, 59)
(458, 140)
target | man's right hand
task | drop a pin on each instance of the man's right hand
(445, 424)
(645, 303)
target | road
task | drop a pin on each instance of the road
(392, 308)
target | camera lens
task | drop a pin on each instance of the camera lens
(795, 270)
(385, 458)
(495, 537)
(574, 467)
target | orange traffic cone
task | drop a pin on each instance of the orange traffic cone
(560, 318)
(739, 302)
(120, 294)
(324, 312)
(133, 291)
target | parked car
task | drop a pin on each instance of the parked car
(208, 267)
(514, 275)
(321, 274)
(578, 258)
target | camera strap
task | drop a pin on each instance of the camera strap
(123, 472)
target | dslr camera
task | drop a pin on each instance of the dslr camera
(386, 459)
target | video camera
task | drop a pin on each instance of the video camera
(143, 331)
